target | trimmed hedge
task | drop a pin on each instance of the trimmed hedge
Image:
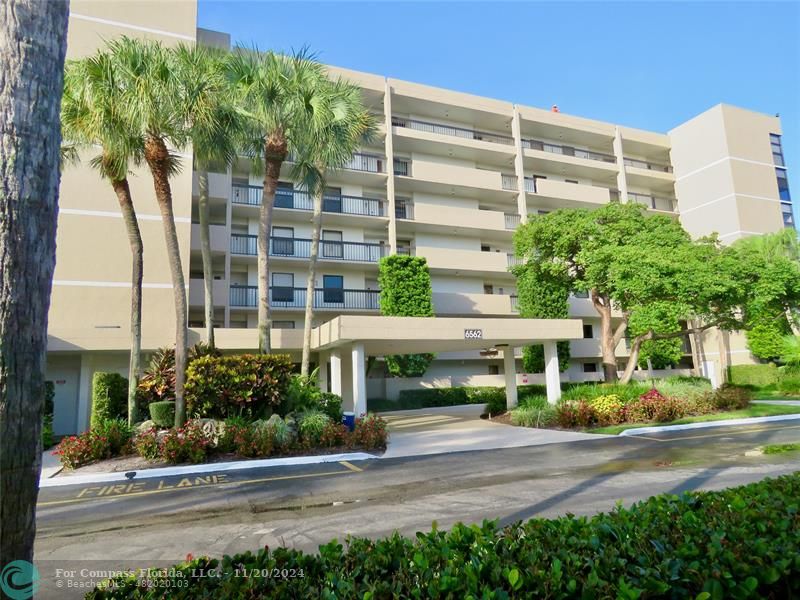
(109, 397)
(757, 375)
(163, 413)
(454, 396)
(236, 385)
(738, 543)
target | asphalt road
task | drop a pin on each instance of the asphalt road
(160, 521)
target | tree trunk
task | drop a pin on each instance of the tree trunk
(205, 251)
(32, 43)
(316, 226)
(630, 367)
(695, 342)
(607, 344)
(275, 152)
(157, 157)
(123, 192)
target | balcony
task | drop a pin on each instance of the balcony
(337, 299)
(433, 176)
(433, 217)
(453, 131)
(647, 165)
(459, 261)
(402, 167)
(197, 292)
(556, 158)
(280, 247)
(370, 163)
(218, 238)
(653, 202)
(509, 182)
(298, 200)
(512, 220)
(568, 151)
(560, 194)
(452, 303)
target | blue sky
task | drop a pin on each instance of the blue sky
(643, 64)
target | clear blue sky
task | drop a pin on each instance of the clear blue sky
(644, 64)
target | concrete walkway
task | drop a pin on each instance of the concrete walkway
(778, 402)
(458, 429)
(50, 465)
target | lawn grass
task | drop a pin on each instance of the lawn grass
(778, 448)
(771, 395)
(754, 410)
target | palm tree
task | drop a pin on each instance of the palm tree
(90, 117)
(346, 124)
(214, 128)
(282, 96)
(33, 36)
(153, 100)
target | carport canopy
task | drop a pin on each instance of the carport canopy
(354, 338)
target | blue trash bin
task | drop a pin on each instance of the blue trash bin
(349, 419)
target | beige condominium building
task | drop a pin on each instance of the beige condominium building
(448, 177)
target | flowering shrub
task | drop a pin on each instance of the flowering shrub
(608, 409)
(575, 414)
(335, 434)
(257, 439)
(110, 438)
(187, 444)
(654, 406)
(370, 432)
(146, 444)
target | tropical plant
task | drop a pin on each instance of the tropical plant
(790, 350)
(312, 424)
(282, 94)
(91, 116)
(33, 36)
(214, 127)
(342, 125)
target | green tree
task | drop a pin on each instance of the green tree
(215, 129)
(90, 116)
(155, 102)
(282, 95)
(405, 283)
(33, 38)
(342, 125)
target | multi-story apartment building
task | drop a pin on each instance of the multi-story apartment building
(448, 177)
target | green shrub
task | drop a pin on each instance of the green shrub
(756, 375)
(244, 384)
(494, 398)
(742, 542)
(731, 397)
(331, 405)
(47, 431)
(147, 445)
(608, 409)
(429, 397)
(370, 433)
(107, 439)
(49, 398)
(282, 432)
(312, 424)
(255, 439)
(571, 414)
(626, 392)
(685, 388)
(533, 415)
(789, 382)
(109, 397)
(163, 413)
(186, 444)
(335, 434)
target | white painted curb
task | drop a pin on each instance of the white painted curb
(238, 465)
(708, 424)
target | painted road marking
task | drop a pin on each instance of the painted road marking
(710, 435)
(350, 466)
(188, 483)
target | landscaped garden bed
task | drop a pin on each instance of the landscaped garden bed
(242, 407)
(738, 543)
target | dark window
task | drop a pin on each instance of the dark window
(333, 289)
(332, 246)
(485, 248)
(783, 185)
(332, 200)
(571, 180)
(283, 241)
(588, 333)
(283, 324)
(283, 287)
(494, 370)
(590, 367)
(788, 217)
(284, 195)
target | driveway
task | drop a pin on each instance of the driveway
(459, 429)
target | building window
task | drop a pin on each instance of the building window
(783, 184)
(494, 370)
(283, 287)
(590, 367)
(788, 217)
(283, 324)
(571, 181)
(588, 333)
(333, 289)
(283, 241)
(777, 149)
(332, 246)
(284, 195)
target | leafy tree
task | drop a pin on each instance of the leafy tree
(282, 95)
(790, 354)
(405, 283)
(542, 297)
(765, 338)
(33, 38)
(90, 117)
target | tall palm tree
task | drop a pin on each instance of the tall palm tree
(215, 130)
(345, 125)
(282, 96)
(153, 101)
(33, 36)
(90, 116)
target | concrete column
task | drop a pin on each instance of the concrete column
(322, 374)
(622, 182)
(389, 149)
(359, 380)
(510, 372)
(551, 375)
(519, 167)
(336, 372)
(85, 392)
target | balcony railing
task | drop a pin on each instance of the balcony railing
(462, 132)
(653, 202)
(650, 166)
(348, 205)
(324, 298)
(530, 185)
(246, 194)
(402, 166)
(403, 208)
(514, 303)
(509, 181)
(512, 220)
(301, 248)
(371, 163)
(513, 261)
(568, 151)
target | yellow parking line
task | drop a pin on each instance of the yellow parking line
(350, 466)
(171, 489)
(720, 434)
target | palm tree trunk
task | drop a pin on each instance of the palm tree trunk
(316, 226)
(205, 251)
(33, 39)
(157, 158)
(123, 192)
(274, 155)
